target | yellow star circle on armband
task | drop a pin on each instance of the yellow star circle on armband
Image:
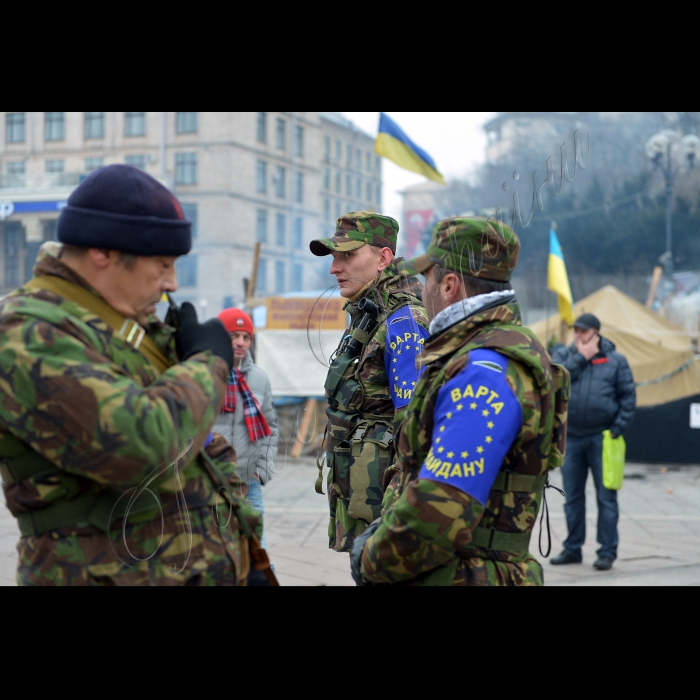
(441, 450)
(489, 439)
(480, 450)
(460, 407)
(485, 412)
(473, 406)
(465, 455)
(490, 425)
(450, 455)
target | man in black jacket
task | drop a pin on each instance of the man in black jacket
(603, 397)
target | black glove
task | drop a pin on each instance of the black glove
(358, 547)
(193, 337)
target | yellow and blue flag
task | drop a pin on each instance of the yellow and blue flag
(558, 280)
(392, 143)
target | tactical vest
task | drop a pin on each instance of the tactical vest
(494, 541)
(351, 432)
(98, 507)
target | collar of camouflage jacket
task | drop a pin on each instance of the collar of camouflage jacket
(466, 308)
(48, 263)
(380, 289)
(459, 333)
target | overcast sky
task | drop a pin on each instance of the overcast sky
(455, 140)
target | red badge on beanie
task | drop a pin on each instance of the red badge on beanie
(237, 321)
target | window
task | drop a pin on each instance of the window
(134, 123)
(262, 127)
(327, 147)
(348, 186)
(279, 277)
(261, 176)
(369, 192)
(49, 229)
(14, 245)
(186, 169)
(299, 141)
(228, 302)
(377, 165)
(326, 210)
(338, 150)
(378, 197)
(281, 182)
(54, 126)
(297, 278)
(368, 162)
(262, 278)
(281, 134)
(326, 178)
(15, 131)
(186, 269)
(191, 214)
(348, 156)
(187, 122)
(358, 188)
(281, 230)
(136, 161)
(299, 187)
(93, 163)
(337, 183)
(16, 167)
(298, 232)
(337, 210)
(358, 158)
(262, 225)
(94, 125)
(55, 166)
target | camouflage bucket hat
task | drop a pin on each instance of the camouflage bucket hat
(474, 246)
(357, 229)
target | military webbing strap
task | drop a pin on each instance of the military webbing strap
(497, 541)
(126, 329)
(27, 466)
(519, 483)
(98, 509)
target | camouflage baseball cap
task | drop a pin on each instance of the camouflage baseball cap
(474, 246)
(357, 229)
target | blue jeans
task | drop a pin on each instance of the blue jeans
(255, 498)
(582, 454)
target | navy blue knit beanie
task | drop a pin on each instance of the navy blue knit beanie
(122, 208)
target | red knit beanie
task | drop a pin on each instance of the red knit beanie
(235, 321)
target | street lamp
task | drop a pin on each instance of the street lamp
(663, 149)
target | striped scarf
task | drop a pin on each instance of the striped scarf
(254, 418)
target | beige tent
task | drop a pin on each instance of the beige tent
(660, 353)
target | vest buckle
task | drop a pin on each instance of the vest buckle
(132, 333)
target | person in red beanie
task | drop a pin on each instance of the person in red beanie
(248, 420)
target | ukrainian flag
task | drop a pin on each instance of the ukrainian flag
(558, 280)
(392, 143)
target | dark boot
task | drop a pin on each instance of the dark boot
(566, 557)
(603, 564)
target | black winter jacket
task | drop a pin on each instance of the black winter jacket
(603, 396)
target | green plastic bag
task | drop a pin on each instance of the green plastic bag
(613, 461)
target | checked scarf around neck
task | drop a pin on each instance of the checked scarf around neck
(254, 418)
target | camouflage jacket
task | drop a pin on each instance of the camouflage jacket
(87, 401)
(427, 535)
(367, 400)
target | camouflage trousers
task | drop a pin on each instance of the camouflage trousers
(355, 490)
(154, 553)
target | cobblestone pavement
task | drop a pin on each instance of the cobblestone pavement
(659, 531)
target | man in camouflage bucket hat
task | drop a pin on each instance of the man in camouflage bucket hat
(485, 425)
(106, 454)
(372, 374)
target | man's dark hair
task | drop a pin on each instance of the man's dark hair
(474, 286)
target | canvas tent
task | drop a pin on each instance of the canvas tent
(665, 368)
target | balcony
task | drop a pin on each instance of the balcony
(39, 182)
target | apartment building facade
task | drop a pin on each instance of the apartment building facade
(242, 178)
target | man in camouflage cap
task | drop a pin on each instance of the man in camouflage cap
(373, 372)
(106, 454)
(485, 425)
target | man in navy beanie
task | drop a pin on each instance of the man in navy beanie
(106, 454)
